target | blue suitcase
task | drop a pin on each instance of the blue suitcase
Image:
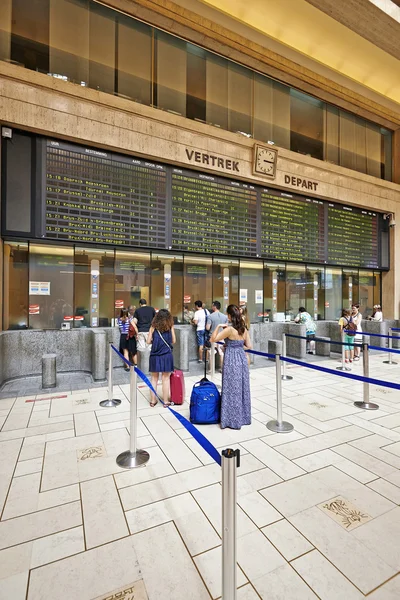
(205, 403)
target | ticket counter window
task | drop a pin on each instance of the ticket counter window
(274, 292)
(333, 294)
(366, 293)
(315, 292)
(94, 288)
(167, 284)
(377, 288)
(251, 293)
(225, 282)
(50, 286)
(295, 289)
(197, 282)
(132, 279)
(351, 294)
(15, 298)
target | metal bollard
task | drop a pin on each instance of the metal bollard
(111, 401)
(343, 366)
(284, 376)
(366, 404)
(230, 460)
(279, 426)
(212, 360)
(133, 457)
(390, 361)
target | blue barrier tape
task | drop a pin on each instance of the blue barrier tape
(316, 339)
(384, 349)
(393, 337)
(394, 329)
(253, 351)
(395, 386)
(198, 436)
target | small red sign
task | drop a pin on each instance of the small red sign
(186, 299)
(34, 309)
(78, 318)
(68, 318)
(119, 304)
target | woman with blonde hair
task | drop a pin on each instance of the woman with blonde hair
(161, 337)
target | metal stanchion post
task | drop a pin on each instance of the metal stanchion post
(343, 366)
(111, 401)
(366, 404)
(279, 426)
(230, 460)
(390, 361)
(212, 360)
(284, 376)
(133, 457)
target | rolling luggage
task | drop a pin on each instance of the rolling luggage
(177, 385)
(205, 402)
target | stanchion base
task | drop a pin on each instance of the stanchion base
(283, 427)
(131, 460)
(286, 377)
(113, 402)
(343, 369)
(388, 362)
(366, 405)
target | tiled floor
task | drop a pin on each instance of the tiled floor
(318, 509)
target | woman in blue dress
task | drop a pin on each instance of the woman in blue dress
(236, 401)
(161, 337)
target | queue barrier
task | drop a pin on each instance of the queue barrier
(390, 361)
(230, 459)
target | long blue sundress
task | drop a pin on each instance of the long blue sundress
(161, 359)
(236, 401)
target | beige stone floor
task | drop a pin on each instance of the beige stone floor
(318, 509)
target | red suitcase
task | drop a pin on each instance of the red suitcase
(177, 385)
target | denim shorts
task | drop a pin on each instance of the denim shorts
(200, 337)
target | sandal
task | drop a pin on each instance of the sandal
(152, 404)
(167, 404)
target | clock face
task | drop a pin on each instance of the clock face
(265, 160)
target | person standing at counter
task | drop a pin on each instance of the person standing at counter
(143, 318)
(304, 318)
(377, 315)
(127, 341)
(357, 318)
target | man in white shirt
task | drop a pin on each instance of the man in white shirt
(216, 318)
(199, 319)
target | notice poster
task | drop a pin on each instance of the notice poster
(243, 296)
(39, 288)
(258, 296)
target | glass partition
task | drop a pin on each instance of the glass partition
(350, 288)
(334, 302)
(15, 285)
(94, 287)
(315, 292)
(295, 289)
(167, 283)
(51, 272)
(197, 281)
(251, 293)
(366, 293)
(225, 282)
(132, 279)
(274, 292)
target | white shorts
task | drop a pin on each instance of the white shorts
(142, 341)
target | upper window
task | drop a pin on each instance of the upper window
(92, 45)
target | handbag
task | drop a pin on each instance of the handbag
(165, 342)
(131, 331)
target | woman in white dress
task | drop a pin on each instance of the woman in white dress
(357, 318)
(377, 314)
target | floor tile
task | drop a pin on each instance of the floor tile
(287, 539)
(247, 593)
(26, 467)
(157, 513)
(210, 567)
(157, 550)
(387, 489)
(259, 509)
(389, 591)
(283, 584)
(14, 587)
(283, 467)
(257, 556)
(103, 517)
(326, 581)
(197, 532)
(252, 482)
(87, 575)
(358, 563)
(381, 536)
(57, 546)
(39, 524)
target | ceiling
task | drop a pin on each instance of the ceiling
(320, 33)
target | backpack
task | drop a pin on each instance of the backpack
(351, 327)
(205, 403)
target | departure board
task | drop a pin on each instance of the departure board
(292, 227)
(96, 196)
(213, 215)
(353, 238)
